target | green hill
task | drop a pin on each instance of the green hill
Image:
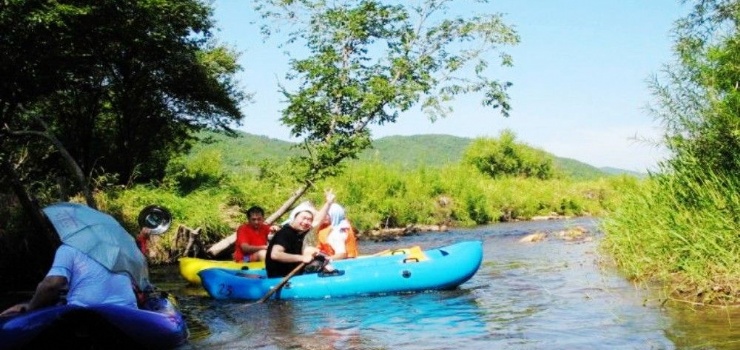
(412, 151)
(405, 151)
(244, 150)
(617, 171)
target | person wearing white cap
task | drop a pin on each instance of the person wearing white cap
(285, 251)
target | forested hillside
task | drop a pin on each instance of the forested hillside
(404, 151)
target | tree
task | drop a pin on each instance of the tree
(699, 103)
(504, 157)
(368, 62)
(690, 209)
(122, 85)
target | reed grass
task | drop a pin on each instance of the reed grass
(374, 195)
(680, 228)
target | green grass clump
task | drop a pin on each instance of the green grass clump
(680, 228)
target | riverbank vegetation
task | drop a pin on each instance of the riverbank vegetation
(93, 115)
(680, 228)
(202, 190)
(106, 107)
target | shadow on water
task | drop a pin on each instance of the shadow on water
(553, 294)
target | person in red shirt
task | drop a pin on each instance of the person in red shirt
(252, 236)
(142, 240)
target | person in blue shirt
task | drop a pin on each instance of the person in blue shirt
(84, 281)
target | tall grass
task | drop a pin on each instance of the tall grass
(375, 196)
(680, 228)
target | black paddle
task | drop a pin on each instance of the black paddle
(282, 283)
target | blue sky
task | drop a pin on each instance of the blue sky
(580, 78)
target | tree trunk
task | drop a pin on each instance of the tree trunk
(29, 203)
(69, 161)
(228, 242)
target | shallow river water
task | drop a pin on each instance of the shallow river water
(552, 294)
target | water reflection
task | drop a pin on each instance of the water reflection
(704, 327)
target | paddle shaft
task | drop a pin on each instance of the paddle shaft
(282, 283)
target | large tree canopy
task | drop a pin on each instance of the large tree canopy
(369, 61)
(505, 157)
(121, 84)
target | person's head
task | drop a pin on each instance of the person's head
(255, 216)
(301, 218)
(335, 216)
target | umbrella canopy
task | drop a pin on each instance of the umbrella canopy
(101, 237)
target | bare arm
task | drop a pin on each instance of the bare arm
(245, 246)
(47, 293)
(250, 249)
(319, 217)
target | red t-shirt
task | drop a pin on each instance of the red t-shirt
(251, 236)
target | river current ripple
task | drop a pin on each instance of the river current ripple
(553, 294)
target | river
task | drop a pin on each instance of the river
(553, 294)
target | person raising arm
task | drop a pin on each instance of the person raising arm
(336, 238)
(285, 251)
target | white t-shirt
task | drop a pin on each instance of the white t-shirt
(90, 282)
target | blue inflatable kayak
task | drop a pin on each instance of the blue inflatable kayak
(441, 268)
(158, 325)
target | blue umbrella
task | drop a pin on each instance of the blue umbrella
(101, 237)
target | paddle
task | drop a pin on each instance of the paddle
(282, 283)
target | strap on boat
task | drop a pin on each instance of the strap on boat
(415, 254)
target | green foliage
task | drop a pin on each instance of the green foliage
(699, 102)
(418, 150)
(504, 157)
(121, 85)
(681, 225)
(375, 195)
(244, 152)
(202, 208)
(216, 209)
(383, 192)
(676, 229)
(204, 170)
(369, 61)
